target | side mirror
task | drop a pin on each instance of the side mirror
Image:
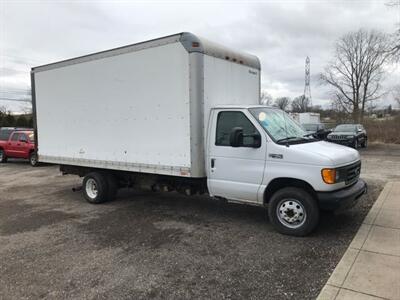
(256, 140)
(236, 137)
(23, 141)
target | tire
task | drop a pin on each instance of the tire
(96, 188)
(365, 143)
(355, 145)
(293, 211)
(33, 159)
(3, 157)
(112, 186)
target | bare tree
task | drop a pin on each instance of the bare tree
(357, 69)
(300, 104)
(282, 102)
(266, 98)
(394, 50)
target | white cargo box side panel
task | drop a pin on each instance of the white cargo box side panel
(227, 82)
(127, 112)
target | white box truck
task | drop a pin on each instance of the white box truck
(306, 118)
(182, 113)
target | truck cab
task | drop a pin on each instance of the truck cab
(259, 155)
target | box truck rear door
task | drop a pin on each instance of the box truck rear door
(235, 172)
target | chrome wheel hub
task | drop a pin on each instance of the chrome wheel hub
(91, 188)
(291, 213)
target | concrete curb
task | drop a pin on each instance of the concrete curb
(370, 267)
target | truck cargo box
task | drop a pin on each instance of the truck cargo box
(140, 108)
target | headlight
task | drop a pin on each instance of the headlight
(350, 136)
(330, 176)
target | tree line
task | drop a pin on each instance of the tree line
(9, 120)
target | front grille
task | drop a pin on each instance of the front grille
(350, 173)
(337, 137)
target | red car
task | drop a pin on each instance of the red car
(18, 144)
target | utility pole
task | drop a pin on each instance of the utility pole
(307, 88)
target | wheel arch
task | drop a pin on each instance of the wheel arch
(282, 182)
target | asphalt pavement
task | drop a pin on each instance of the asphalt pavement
(54, 245)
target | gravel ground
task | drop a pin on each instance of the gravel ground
(152, 245)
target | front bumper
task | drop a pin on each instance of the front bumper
(347, 142)
(342, 199)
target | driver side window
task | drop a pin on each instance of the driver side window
(15, 137)
(227, 120)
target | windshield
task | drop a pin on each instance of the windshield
(345, 128)
(310, 127)
(279, 125)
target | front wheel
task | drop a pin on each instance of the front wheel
(293, 211)
(3, 157)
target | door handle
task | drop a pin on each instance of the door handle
(212, 163)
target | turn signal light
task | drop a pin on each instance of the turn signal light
(329, 175)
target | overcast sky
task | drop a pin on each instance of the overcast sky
(280, 33)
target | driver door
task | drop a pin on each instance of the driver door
(234, 172)
(12, 147)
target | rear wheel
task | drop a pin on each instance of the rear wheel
(112, 187)
(3, 157)
(33, 159)
(99, 187)
(293, 211)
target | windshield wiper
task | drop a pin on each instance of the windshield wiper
(296, 139)
(309, 134)
(287, 139)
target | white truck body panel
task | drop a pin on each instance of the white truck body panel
(143, 108)
(113, 113)
(228, 83)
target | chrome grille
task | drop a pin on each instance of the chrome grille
(350, 173)
(337, 137)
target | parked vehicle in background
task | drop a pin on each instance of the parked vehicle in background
(5, 132)
(317, 130)
(306, 117)
(352, 135)
(20, 144)
(189, 120)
